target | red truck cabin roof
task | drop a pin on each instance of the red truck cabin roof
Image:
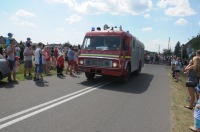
(107, 33)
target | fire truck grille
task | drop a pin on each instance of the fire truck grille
(98, 63)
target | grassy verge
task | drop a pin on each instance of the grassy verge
(182, 118)
(20, 74)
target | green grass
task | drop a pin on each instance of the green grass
(20, 74)
(182, 118)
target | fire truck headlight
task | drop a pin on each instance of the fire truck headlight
(114, 64)
(81, 62)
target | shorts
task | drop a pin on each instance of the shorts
(11, 64)
(28, 64)
(177, 70)
(38, 68)
(196, 123)
(71, 62)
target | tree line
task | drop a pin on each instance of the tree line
(181, 50)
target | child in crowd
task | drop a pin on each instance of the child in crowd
(60, 65)
(16, 67)
(8, 40)
(17, 50)
(196, 127)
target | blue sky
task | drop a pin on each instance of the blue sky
(59, 21)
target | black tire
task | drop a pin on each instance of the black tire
(137, 72)
(126, 77)
(90, 76)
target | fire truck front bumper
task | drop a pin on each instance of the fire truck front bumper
(103, 71)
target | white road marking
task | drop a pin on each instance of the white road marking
(73, 96)
(47, 103)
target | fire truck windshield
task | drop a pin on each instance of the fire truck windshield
(102, 43)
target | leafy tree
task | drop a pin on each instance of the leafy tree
(177, 51)
(184, 54)
(20, 43)
(67, 44)
(196, 42)
(167, 52)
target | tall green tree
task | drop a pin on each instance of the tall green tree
(177, 49)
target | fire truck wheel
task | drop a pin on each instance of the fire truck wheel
(126, 76)
(89, 76)
(137, 73)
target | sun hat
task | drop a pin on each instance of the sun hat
(28, 39)
(10, 34)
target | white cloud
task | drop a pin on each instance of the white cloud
(181, 22)
(23, 13)
(179, 8)
(114, 7)
(26, 23)
(19, 21)
(14, 18)
(60, 29)
(73, 18)
(147, 29)
(147, 16)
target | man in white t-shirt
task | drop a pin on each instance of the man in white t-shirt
(38, 61)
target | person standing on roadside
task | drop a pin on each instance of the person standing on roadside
(60, 65)
(198, 55)
(17, 50)
(173, 60)
(47, 59)
(28, 64)
(192, 76)
(196, 127)
(11, 57)
(38, 62)
(177, 69)
(70, 56)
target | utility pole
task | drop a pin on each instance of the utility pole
(169, 43)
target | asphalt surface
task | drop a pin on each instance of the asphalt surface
(141, 105)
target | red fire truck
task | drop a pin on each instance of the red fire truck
(111, 52)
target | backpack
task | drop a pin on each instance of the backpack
(198, 70)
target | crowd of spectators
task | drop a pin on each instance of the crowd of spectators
(192, 69)
(43, 58)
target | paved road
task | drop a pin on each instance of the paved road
(77, 105)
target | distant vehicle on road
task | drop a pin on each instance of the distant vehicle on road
(4, 68)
